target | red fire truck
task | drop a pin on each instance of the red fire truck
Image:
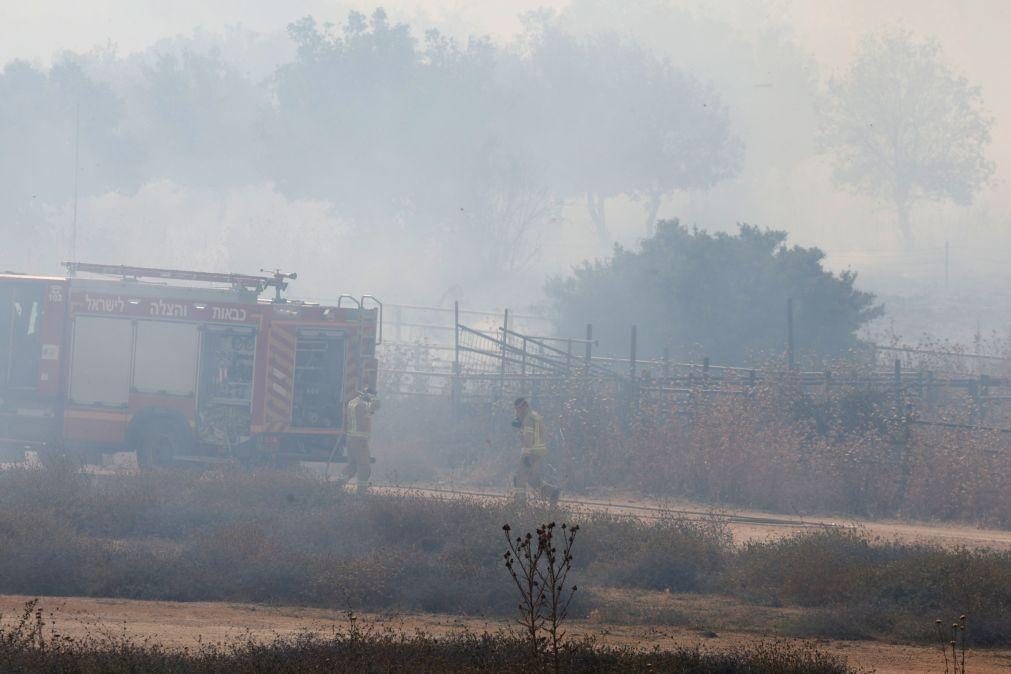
(179, 365)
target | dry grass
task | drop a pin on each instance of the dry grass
(777, 448)
(27, 645)
(286, 538)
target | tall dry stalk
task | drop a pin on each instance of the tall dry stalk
(540, 572)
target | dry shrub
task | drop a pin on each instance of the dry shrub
(775, 447)
(960, 474)
(670, 553)
(285, 538)
(25, 645)
(880, 583)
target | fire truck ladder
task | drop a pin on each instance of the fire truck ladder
(278, 280)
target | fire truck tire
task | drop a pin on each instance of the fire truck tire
(158, 439)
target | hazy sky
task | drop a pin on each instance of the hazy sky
(36, 29)
(972, 34)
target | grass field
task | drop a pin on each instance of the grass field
(175, 626)
(288, 538)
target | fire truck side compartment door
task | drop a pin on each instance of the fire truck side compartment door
(319, 380)
(166, 360)
(100, 365)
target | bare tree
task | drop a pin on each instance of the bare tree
(905, 128)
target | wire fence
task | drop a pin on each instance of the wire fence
(490, 356)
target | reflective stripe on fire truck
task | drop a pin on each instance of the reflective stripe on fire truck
(95, 415)
(280, 373)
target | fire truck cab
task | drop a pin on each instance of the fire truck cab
(179, 365)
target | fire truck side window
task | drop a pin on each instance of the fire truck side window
(6, 324)
(23, 334)
(102, 361)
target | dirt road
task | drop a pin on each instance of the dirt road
(745, 525)
(179, 625)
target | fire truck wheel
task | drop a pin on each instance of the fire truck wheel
(158, 440)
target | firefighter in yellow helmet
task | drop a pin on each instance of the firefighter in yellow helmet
(359, 430)
(533, 451)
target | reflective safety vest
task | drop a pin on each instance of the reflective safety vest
(533, 434)
(360, 417)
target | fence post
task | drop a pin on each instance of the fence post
(828, 384)
(455, 388)
(976, 392)
(903, 439)
(535, 382)
(632, 354)
(897, 377)
(931, 393)
(505, 344)
(523, 368)
(666, 365)
(789, 334)
(589, 346)
(633, 385)
(705, 370)
(981, 398)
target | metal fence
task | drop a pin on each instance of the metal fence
(492, 357)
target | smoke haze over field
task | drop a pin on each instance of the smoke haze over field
(593, 257)
(212, 136)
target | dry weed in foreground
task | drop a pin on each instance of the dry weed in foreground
(366, 650)
(540, 573)
(955, 644)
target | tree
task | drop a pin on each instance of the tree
(418, 140)
(905, 128)
(199, 119)
(60, 137)
(766, 83)
(615, 120)
(720, 295)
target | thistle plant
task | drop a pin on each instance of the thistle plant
(540, 572)
(953, 645)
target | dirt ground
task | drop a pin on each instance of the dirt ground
(908, 531)
(745, 525)
(184, 624)
(179, 625)
(751, 525)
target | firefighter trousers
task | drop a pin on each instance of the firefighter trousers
(529, 474)
(359, 465)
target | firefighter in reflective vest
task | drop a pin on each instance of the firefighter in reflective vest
(359, 428)
(532, 454)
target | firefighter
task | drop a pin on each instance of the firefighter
(359, 429)
(533, 451)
